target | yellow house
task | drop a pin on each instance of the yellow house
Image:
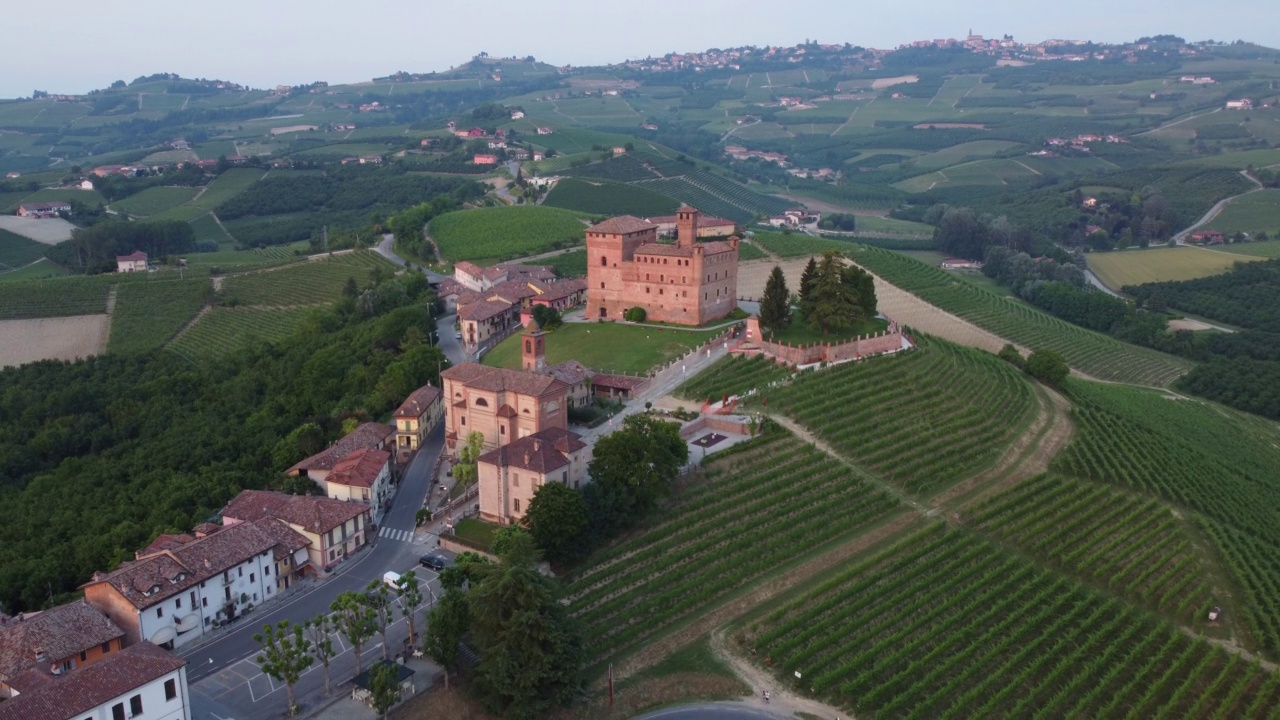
(415, 419)
(334, 529)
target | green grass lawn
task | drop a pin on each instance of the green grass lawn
(476, 531)
(1135, 267)
(571, 264)
(799, 333)
(17, 251)
(610, 347)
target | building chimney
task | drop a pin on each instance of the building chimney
(206, 563)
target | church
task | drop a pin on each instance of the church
(685, 283)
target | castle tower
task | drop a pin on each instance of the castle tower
(686, 226)
(534, 343)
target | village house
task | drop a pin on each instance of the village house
(1244, 104)
(367, 435)
(686, 283)
(344, 126)
(538, 155)
(574, 375)
(142, 682)
(135, 261)
(497, 145)
(362, 476)
(484, 159)
(517, 114)
(960, 264)
(66, 637)
(370, 159)
(40, 210)
(510, 475)
(545, 131)
(334, 529)
(416, 417)
(1206, 237)
(179, 587)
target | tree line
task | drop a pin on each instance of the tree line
(834, 295)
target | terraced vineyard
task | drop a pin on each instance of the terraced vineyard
(54, 298)
(225, 329)
(686, 192)
(147, 315)
(315, 281)
(624, 168)
(1133, 546)
(1200, 459)
(948, 626)
(786, 245)
(922, 419)
(1087, 351)
(762, 504)
(733, 375)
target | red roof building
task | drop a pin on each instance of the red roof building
(141, 681)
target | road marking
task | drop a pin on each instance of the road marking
(394, 534)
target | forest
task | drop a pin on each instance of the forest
(98, 456)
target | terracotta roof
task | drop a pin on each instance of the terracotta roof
(360, 469)
(76, 693)
(288, 541)
(483, 310)
(61, 632)
(664, 249)
(622, 225)
(418, 401)
(718, 246)
(135, 255)
(467, 267)
(620, 382)
(536, 453)
(480, 377)
(313, 514)
(512, 291)
(569, 372)
(703, 220)
(367, 435)
(563, 289)
(167, 542)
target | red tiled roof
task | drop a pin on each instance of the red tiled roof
(419, 400)
(569, 372)
(367, 435)
(135, 255)
(167, 542)
(664, 249)
(536, 453)
(563, 289)
(72, 695)
(313, 514)
(360, 469)
(287, 540)
(469, 268)
(480, 377)
(623, 225)
(483, 310)
(61, 632)
(619, 382)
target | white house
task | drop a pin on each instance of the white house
(362, 476)
(180, 586)
(141, 682)
(135, 261)
(517, 114)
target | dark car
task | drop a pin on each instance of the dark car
(435, 562)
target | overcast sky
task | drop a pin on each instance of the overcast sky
(84, 44)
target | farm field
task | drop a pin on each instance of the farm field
(147, 315)
(948, 625)
(59, 297)
(17, 251)
(40, 270)
(306, 283)
(570, 264)
(608, 347)
(872, 412)
(600, 197)
(504, 233)
(750, 251)
(761, 505)
(52, 338)
(1089, 352)
(89, 198)
(733, 375)
(1256, 212)
(155, 200)
(219, 190)
(48, 231)
(223, 330)
(1268, 249)
(1134, 267)
(795, 244)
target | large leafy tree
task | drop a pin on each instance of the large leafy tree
(557, 519)
(384, 688)
(354, 617)
(631, 471)
(319, 631)
(379, 599)
(962, 234)
(863, 286)
(775, 304)
(447, 623)
(1047, 366)
(831, 305)
(530, 654)
(286, 653)
(464, 471)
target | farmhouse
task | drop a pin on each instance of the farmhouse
(545, 131)
(363, 476)
(687, 283)
(517, 114)
(484, 159)
(1206, 237)
(415, 418)
(43, 209)
(66, 637)
(959, 264)
(1245, 104)
(135, 261)
(149, 681)
(368, 435)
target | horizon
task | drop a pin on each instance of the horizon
(281, 50)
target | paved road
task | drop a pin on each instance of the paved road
(386, 249)
(714, 711)
(1218, 207)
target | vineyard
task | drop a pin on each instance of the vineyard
(759, 506)
(54, 298)
(608, 198)
(624, 168)
(748, 251)
(154, 200)
(1131, 545)
(684, 191)
(1087, 351)
(921, 419)
(223, 330)
(948, 626)
(16, 251)
(504, 233)
(147, 315)
(309, 283)
(733, 375)
(786, 245)
(1202, 460)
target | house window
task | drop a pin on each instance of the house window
(159, 612)
(135, 705)
(517, 501)
(170, 689)
(266, 570)
(177, 603)
(204, 602)
(227, 591)
(515, 479)
(250, 577)
(106, 647)
(601, 286)
(481, 402)
(193, 598)
(502, 429)
(239, 572)
(84, 655)
(462, 421)
(117, 711)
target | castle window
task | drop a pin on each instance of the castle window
(659, 291)
(646, 290)
(481, 402)
(604, 261)
(601, 286)
(662, 278)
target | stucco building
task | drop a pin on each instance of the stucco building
(416, 417)
(67, 637)
(686, 283)
(334, 529)
(141, 681)
(502, 405)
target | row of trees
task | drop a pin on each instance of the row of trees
(94, 249)
(834, 295)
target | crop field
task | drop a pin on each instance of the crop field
(980, 172)
(600, 197)
(796, 245)
(1132, 545)
(1089, 352)
(572, 264)
(147, 315)
(734, 375)
(921, 419)
(17, 251)
(609, 347)
(561, 163)
(222, 188)
(40, 270)
(504, 233)
(624, 168)
(686, 192)
(310, 283)
(1253, 213)
(155, 200)
(90, 198)
(748, 251)
(762, 505)
(54, 298)
(223, 330)
(1135, 267)
(1268, 249)
(1201, 459)
(947, 625)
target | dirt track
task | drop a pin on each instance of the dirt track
(65, 338)
(893, 301)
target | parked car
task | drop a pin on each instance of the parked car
(457, 336)
(434, 562)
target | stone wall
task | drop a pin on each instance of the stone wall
(890, 340)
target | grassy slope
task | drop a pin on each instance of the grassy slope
(611, 347)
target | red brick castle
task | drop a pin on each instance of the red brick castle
(687, 283)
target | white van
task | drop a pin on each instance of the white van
(392, 579)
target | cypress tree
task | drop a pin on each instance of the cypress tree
(806, 279)
(775, 304)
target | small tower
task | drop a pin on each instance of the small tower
(534, 342)
(686, 226)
